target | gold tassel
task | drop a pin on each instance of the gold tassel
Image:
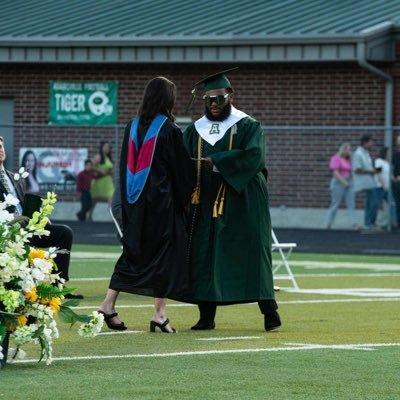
(215, 213)
(215, 209)
(196, 195)
(221, 203)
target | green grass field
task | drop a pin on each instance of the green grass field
(340, 339)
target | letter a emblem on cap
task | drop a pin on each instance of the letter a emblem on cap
(214, 129)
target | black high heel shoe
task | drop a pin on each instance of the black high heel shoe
(154, 324)
(107, 319)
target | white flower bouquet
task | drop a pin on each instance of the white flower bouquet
(31, 292)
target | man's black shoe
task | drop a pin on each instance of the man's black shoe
(73, 296)
(272, 321)
(203, 325)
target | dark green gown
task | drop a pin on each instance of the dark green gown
(230, 255)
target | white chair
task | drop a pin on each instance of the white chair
(116, 223)
(285, 250)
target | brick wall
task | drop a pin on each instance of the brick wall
(339, 94)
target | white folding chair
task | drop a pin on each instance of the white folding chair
(285, 250)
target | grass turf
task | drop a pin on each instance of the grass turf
(278, 367)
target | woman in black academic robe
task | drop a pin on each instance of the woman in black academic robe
(156, 181)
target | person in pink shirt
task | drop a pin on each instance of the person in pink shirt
(341, 186)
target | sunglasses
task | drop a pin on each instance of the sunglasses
(218, 100)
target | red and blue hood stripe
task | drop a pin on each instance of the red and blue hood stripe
(139, 161)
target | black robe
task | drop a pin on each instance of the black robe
(153, 262)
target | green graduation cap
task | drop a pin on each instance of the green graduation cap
(214, 81)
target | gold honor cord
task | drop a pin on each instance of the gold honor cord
(196, 192)
(222, 189)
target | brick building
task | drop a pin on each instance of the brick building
(314, 73)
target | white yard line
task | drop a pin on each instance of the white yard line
(336, 301)
(95, 255)
(134, 306)
(305, 263)
(360, 292)
(90, 279)
(230, 338)
(352, 265)
(378, 274)
(119, 332)
(357, 300)
(372, 275)
(298, 347)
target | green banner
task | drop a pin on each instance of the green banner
(83, 103)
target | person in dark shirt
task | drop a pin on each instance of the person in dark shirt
(396, 178)
(83, 184)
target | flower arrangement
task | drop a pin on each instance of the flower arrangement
(31, 292)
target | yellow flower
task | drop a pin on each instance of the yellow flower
(22, 320)
(31, 295)
(54, 304)
(36, 253)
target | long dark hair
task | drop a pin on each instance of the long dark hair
(23, 164)
(158, 98)
(101, 152)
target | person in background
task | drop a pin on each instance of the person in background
(29, 162)
(83, 185)
(156, 180)
(383, 178)
(365, 181)
(341, 185)
(102, 187)
(396, 179)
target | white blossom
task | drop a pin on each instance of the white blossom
(93, 327)
(5, 216)
(11, 200)
(15, 354)
(44, 265)
(52, 252)
(23, 335)
(37, 274)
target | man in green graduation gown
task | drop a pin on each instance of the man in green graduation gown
(230, 233)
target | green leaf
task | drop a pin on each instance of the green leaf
(70, 317)
(71, 303)
(38, 332)
(46, 291)
(44, 348)
(67, 315)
